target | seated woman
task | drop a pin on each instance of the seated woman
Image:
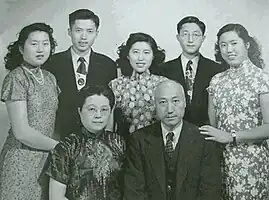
(86, 165)
(134, 89)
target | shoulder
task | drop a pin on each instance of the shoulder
(211, 65)
(146, 131)
(102, 58)
(69, 144)
(120, 81)
(170, 62)
(16, 73)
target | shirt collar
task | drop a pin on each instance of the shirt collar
(176, 131)
(138, 76)
(185, 60)
(75, 56)
(88, 134)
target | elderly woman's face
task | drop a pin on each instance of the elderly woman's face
(95, 113)
(36, 49)
(140, 56)
(232, 48)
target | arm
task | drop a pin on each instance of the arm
(56, 190)
(255, 134)
(17, 112)
(210, 174)
(211, 111)
(134, 180)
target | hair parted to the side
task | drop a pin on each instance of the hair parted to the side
(83, 14)
(191, 19)
(14, 58)
(123, 52)
(254, 50)
(90, 90)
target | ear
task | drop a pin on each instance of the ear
(69, 31)
(203, 38)
(21, 50)
(247, 45)
(79, 112)
(178, 37)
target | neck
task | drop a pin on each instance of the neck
(190, 56)
(172, 128)
(29, 66)
(79, 53)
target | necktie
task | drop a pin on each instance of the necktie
(82, 67)
(169, 144)
(189, 81)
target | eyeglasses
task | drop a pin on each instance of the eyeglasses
(93, 110)
(186, 35)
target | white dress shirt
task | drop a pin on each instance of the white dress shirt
(76, 63)
(176, 132)
(194, 64)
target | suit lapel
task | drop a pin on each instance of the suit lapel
(184, 155)
(70, 75)
(199, 80)
(156, 154)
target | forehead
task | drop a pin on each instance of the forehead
(84, 23)
(169, 91)
(229, 36)
(96, 100)
(38, 35)
(141, 45)
(191, 27)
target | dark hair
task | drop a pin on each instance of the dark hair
(13, 57)
(254, 50)
(90, 90)
(191, 19)
(83, 14)
(123, 52)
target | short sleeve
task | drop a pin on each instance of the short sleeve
(212, 85)
(264, 83)
(13, 88)
(117, 86)
(59, 161)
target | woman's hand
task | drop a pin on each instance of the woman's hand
(216, 134)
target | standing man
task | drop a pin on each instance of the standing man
(77, 66)
(171, 160)
(192, 70)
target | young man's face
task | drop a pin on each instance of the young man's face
(83, 34)
(190, 38)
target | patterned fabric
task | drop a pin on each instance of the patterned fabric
(88, 164)
(135, 96)
(20, 165)
(169, 144)
(237, 105)
(189, 79)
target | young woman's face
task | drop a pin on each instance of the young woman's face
(36, 49)
(95, 113)
(232, 48)
(140, 56)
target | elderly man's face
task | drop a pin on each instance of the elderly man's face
(170, 104)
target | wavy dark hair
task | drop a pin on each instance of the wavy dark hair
(123, 52)
(254, 50)
(13, 57)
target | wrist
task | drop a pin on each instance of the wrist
(233, 138)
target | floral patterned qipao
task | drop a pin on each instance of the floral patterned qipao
(135, 96)
(88, 165)
(237, 104)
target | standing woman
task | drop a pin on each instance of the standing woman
(134, 89)
(31, 97)
(239, 114)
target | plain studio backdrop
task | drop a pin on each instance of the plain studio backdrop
(121, 17)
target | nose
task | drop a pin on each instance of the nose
(140, 56)
(229, 48)
(83, 35)
(98, 114)
(190, 38)
(40, 48)
(170, 107)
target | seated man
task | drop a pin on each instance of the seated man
(171, 159)
(86, 164)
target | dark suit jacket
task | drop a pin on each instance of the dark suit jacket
(197, 111)
(101, 70)
(198, 175)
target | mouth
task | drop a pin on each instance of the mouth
(83, 43)
(140, 64)
(231, 57)
(171, 117)
(98, 123)
(40, 57)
